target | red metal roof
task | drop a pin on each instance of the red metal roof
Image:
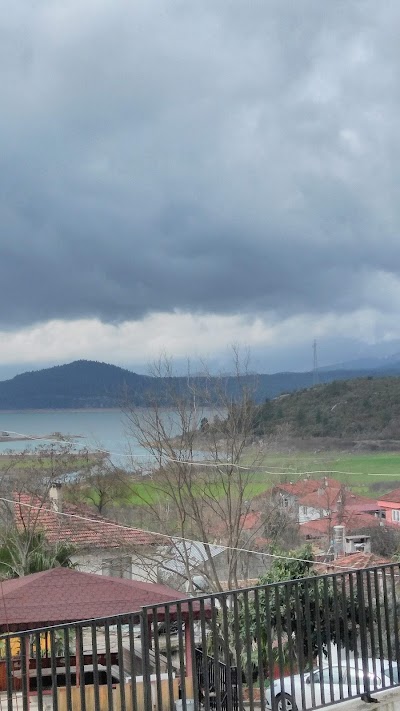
(64, 595)
(98, 532)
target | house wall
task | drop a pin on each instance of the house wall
(308, 513)
(119, 563)
(250, 567)
(392, 511)
(288, 503)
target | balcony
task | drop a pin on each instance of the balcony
(299, 644)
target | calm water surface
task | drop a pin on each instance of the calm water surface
(100, 429)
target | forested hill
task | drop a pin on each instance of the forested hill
(365, 406)
(84, 384)
(80, 384)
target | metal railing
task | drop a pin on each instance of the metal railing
(300, 644)
(207, 675)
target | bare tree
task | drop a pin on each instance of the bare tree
(204, 465)
(26, 481)
(102, 486)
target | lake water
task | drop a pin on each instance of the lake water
(99, 429)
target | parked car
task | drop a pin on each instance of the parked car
(289, 696)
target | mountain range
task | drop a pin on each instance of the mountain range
(90, 384)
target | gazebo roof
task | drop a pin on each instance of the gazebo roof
(62, 595)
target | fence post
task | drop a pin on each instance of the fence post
(145, 642)
(366, 696)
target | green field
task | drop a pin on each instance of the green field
(359, 471)
(71, 462)
(368, 474)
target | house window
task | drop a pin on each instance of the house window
(304, 510)
(396, 515)
(119, 567)
(285, 502)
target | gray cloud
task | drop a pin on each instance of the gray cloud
(204, 156)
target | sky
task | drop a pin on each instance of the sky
(180, 176)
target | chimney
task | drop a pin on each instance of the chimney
(338, 541)
(55, 496)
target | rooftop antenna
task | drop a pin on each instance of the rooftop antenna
(315, 364)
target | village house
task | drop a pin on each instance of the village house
(100, 545)
(389, 505)
(187, 566)
(321, 530)
(312, 499)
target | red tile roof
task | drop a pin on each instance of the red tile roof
(251, 521)
(298, 488)
(391, 497)
(78, 525)
(321, 499)
(308, 486)
(355, 560)
(330, 499)
(351, 520)
(359, 507)
(63, 595)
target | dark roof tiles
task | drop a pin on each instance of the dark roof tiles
(64, 595)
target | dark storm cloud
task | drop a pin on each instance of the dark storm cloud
(205, 156)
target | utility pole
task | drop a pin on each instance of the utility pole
(315, 364)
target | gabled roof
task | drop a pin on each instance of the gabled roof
(298, 488)
(193, 551)
(308, 486)
(391, 497)
(321, 499)
(352, 500)
(77, 525)
(64, 595)
(351, 520)
(332, 498)
(360, 561)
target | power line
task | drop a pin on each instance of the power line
(170, 537)
(199, 463)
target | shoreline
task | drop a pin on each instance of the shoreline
(50, 410)
(39, 438)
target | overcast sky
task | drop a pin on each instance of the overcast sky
(178, 176)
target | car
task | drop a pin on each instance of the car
(329, 685)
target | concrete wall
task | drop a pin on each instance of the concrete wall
(388, 701)
(310, 514)
(139, 568)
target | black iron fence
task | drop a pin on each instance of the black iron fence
(299, 644)
(208, 677)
